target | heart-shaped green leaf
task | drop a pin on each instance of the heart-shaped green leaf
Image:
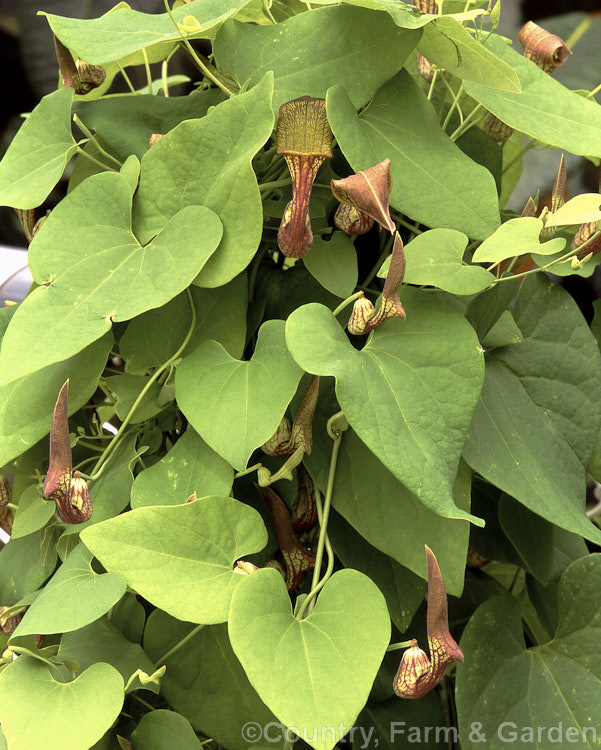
(190, 466)
(434, 182)
(165, 730)
(38, 712)
(208, 161)
(22, 569)
(312, 51)
(123, 31)
(508, 688)
(516, 237)
(33, 512)
(39, 152)
(98, 272)
(205, 681)
(26, 405)
(102, 641)
(544, 110)
(314, 673)
(435, 258)
(409, 393)
(236, 406)
(190, 573)
(333, 264)
(75, 596)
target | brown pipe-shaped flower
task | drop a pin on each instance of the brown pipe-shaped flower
(80, 75)
(304, 508)
(417, 674)
(297, 558)
(544, 49)
(68, 489)
(390, 304)
(368, 191)
(4, 490)
(558, 197)
(304, 138)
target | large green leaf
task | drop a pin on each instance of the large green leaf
(449, 45)
(33, 512)
(189, 574)
(558, 361)
(38, 154)
(395, 521)
(544, 110)
(97, 272)
(153, 337)
(508, 688)
(333, 264)
(535, 466)
(125, 123)
(26, 405)
(123, 31)
(101, 641)
(205, 681)
(401, 124)
(208, 162)
(236, 406)
(402, 589)
(312, 51)
(409, 393)
(190, 466)
(38, 712)
(315, 672)
(395, 723)
(22, 569)
(159, 730)
(75, 596)
(436, 258)
(516, 237)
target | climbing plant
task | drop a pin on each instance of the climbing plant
(297, 419)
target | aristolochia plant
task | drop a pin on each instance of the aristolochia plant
(287, 357)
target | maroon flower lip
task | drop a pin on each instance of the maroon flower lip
(417, 674)
(304, 138)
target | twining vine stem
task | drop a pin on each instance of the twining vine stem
(335, 430)
(102, 461)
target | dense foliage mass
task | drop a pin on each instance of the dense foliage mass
(235, 448)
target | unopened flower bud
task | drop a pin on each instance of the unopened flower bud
(363, 312)
(272, 563)
(530, 208)
(191, 498)
(154, 138)
(4, 490)
(8, 624)
(351, 220)
(425, 67)
(244, 568)
(263, 476)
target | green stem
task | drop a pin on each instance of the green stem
(90, 136)
(317, 584)
(177, 646)
(126, 79)
(148, 72)
(252, 277)
(254, 467)
(398, 646)
(412, 227)
(454, 104)
(579, 31)
(202, 67)
(96, 161)
(432, 83)
(467, 123)
(93, 447)
(268, 12)
(263, 186)
(143, 702)
(347, 302)
(157, 373)
(164, 67)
